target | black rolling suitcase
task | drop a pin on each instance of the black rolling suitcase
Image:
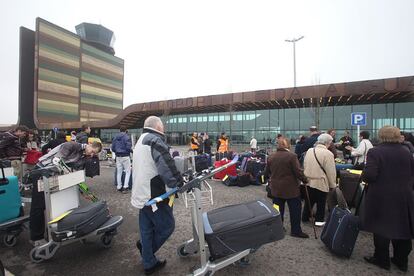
(201, 162)
(82, 221)
(239, 227)
(349, 184)
(342, 228)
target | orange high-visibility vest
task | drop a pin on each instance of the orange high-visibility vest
(193, 146)
(224, 144)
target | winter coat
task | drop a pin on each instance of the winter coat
(82, 137)
(121, 144)
(309, 143)
(10, 146)
(388, 208)
(285, 174)
(318, 179)
(69, 152)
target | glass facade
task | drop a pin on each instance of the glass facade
(240, 126)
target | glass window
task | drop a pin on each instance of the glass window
(342, 117)
(291, 119)
(237, 122)
(201, 123)
(404, 116)
(224, 122)
(262, 120)
(307, 118)
(212, 123)
(249, 122)
(382, 114)
(326, 120)
(275, 122)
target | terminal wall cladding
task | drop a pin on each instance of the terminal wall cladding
(74, 82)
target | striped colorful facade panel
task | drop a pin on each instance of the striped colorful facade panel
(101, 87)
(58, 71)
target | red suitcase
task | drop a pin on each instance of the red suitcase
(231, 171)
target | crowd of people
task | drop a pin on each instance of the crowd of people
(388, 173)
(387, 169)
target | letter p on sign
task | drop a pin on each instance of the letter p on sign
(359, 119)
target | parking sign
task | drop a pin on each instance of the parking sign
(359, 119)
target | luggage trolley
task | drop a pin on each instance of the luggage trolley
(264, 218)
(11, 228)
(62, 195)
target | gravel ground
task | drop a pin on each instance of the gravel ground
(290, 256)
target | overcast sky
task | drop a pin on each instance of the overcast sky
(175, 49)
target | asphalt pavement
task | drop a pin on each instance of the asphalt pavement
(290, 256)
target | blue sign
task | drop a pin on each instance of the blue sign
(359, 119)
(55, 129)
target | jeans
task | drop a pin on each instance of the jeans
(402, 249)
(155, 228)
(295, 208)
(123, 163)
(318, 197)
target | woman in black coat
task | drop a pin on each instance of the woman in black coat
(389, 200)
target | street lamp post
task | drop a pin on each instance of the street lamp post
(294, 40)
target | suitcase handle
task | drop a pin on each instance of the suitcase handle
(3, 180)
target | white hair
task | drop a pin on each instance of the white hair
(324, 139)
(153, 122)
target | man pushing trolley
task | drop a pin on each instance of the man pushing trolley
(222, 236)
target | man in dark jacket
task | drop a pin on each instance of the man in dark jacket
(11, 147)
(154, 173)
(309, 142)
(82, 137)
(388, 212)
(60, 139)
(344, 142)
(70, 153)
(121, 146)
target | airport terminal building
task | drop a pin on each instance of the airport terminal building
(69, 79)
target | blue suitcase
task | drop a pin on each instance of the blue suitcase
(10, 201)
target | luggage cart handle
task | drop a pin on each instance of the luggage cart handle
(195, 183)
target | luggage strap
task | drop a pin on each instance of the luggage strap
(314, 153)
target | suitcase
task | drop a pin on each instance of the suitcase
(201, 162)
(229, 171)
(81, 221)
(341, 229)
(181, 163)
(239, 227)
(255, 167)
(244, 179)
(229, 180)
(349, 184)
(10, 201)
(243, 166)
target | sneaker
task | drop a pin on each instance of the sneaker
(139, 246)
(300, 235)
(159, 265)
(319, 223)
(402, 267)
(375, 261)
